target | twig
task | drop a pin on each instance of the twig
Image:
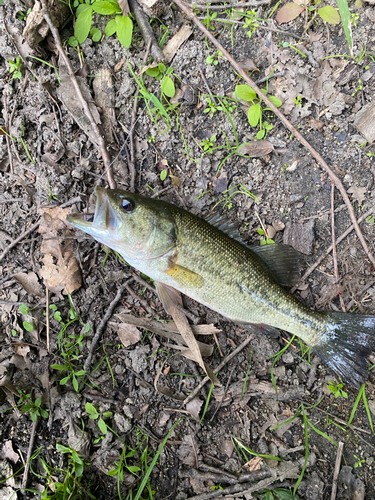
(7, 126)
(141, 301)
(273, 75)
(20, 237)
(131, 162)
(102, 324)
(337, 470)
(241, 23)
(47, 319)
(146, 30)
(222, 399)
(29, 453)
(217, 369)
(286, 122)
(100, 142)
(334, 253)
(230, 5)
(329, 250)
(206, 84)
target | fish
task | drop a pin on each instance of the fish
(204, 260)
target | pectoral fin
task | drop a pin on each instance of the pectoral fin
(185, 277)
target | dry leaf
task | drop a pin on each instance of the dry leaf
(124, 6)
(220, 184)
(129, 334)
(22, 350)
(176, 41)
(289, 12)
(194, 407)
(30, 283)
(248, 65)
(359, 193)
(60, 269)
(8, 453)
(254, 464)
(256, 149)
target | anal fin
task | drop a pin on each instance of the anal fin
(260, 328)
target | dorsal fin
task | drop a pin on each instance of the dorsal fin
(282, 260)
(224, 224)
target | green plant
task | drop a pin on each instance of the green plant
(307, 424)
(208, 144)
(214, 59)
(231, 192)
(15, 68)
(255, 112)
(244, 450)
(265, 240)
(251, 22)
(121, 25)
(277, 493)
(337, 390)
(358, 88)
(33, 407)
(95, 415)
(160, 72)
(370, 220)
(359, 462)
(23, 15)
(292, 10)
(298, 101)
(70, 486)
(361, 395)
(212, 107)
(73, 374)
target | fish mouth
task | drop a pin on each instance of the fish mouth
(103, 219)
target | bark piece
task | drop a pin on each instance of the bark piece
(36, 28)
(365, 121)
(300, 236)
(175, 42)
(104, 99)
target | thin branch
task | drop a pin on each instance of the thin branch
(29, 453)
(217, 369)
(146, 30)
(287, 124)
(329, 250)
(229, 5)
(100, 142)
(20, 237)
(334, 253)
(337, 470)
(102, 324)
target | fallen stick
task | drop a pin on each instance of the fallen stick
(337, 470)
(285, 121)
(334, 253)
(329, 250)
(100, 142)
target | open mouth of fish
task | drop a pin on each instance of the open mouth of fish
(103, 218)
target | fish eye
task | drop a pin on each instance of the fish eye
(126, 206)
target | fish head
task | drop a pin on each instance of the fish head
(135, 226)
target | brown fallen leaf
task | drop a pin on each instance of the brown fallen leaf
(256, 149)
(220, 184)
(289, 12)
(22, 349)
(254, 464)
(194, 407)
(129, 334)
(359, 193)
(30, 283)
(248, 65)
(60, 269)
(8, 453)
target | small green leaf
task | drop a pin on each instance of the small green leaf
(83, 24)
(24, 309)
(260, 134)
(64, 380)
(260, 231)
(275, 101)
(75, 383)
(254, 114)
(161, 67)
(58, 367)
(245, 92)
(107, 414)
(111, 27)
(133, 469)
(102, 426)
(80, 373)
(91, 410)
(28, 326)
(329, 14)
(53, 307)
(104, 8)
(38, 402)
(57, 316)
(163, 175)
(87, 328)
(82, 7)
(62, 449)
(124, 30)
(153, 72)
(167, 87)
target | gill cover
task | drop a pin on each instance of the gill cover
(131, 224)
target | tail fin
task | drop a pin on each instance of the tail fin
(348, 341)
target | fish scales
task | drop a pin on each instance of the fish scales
(181, 251)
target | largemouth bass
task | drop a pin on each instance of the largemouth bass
(180, 251)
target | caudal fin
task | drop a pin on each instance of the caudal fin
(348, 341)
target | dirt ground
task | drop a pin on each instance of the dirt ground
(95, 435)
